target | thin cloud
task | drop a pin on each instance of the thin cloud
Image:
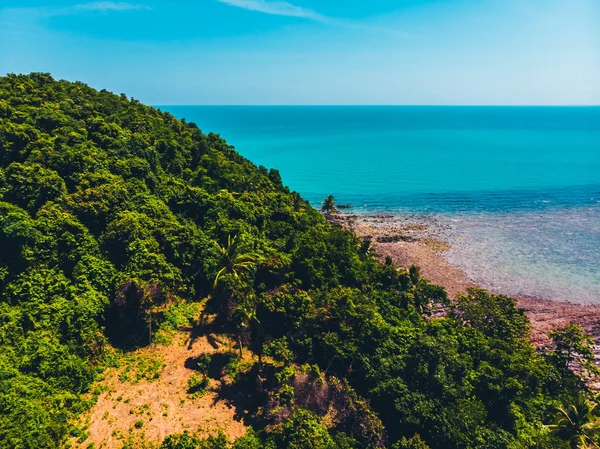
(20, 15)
(277, 9)
(110, 6)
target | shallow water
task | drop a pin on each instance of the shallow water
(516, 190)
(545, 254)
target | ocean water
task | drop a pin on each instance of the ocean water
(516, 190)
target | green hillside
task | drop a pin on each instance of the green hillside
(112, 213)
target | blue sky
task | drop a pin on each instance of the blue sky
(313, 51)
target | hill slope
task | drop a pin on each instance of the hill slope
(113, 215)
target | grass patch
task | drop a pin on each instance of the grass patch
(141, 410)
(164, 408)
(140, 367)
(178, 316)
(136, 440)
(197, 385)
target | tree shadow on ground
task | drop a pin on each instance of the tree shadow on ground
(248, 394)
(213, 365)
(209, 327)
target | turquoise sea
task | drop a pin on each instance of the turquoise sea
(516, 190)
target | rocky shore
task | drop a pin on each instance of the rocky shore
(415, 240)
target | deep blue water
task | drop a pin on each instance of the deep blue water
(517, 188)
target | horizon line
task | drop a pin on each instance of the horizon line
(388, 105)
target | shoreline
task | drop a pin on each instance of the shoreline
(408, 241)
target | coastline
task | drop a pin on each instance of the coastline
(412, 241)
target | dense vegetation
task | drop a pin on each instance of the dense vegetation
(112, 211)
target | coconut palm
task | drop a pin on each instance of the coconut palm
(233, 261)
(414, 273)
(578, 423)
(245, 314)
(328, 205)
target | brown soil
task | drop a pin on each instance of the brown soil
(409, 244)
(159, 406)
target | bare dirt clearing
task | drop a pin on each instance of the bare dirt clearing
(146, 398)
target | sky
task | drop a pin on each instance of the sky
(433, 52)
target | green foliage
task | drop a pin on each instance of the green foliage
(495, 316)
(32, 185)
(117, 220)
(252, 441)
(577, 423)
(279, 350)
(197, 385)
(232, 260)
(572, 346)
(203, 363)
(180, 315)
(328, 205)
(188, 441)
(96, 229)
(181, 441)
(303, 431)
(136, 368)
(410, 443)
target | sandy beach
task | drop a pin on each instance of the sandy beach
(412, 242)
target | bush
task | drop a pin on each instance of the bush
(183, 440)
(197, 385)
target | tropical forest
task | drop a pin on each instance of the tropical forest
(127, 235)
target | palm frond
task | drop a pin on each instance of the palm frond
(218, 276)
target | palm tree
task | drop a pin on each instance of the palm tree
(578, 423)
(419, 292)
(245, 314)
(328, 205)
(414, 273)
(232, 260)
